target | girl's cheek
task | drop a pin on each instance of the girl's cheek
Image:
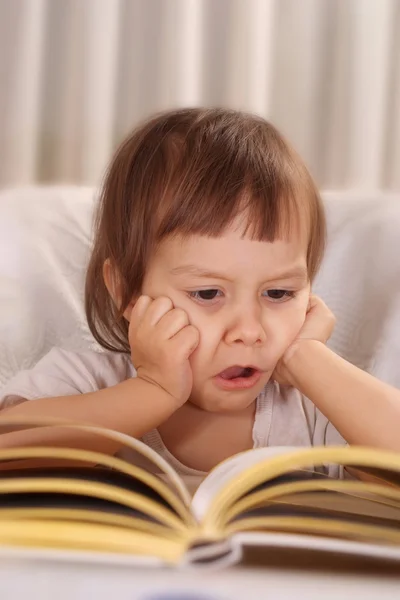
(195, 313)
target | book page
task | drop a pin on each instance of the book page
(317, 491)
(102, 491)
(79, 538)
(286, 467)
(227, 471)
(150, 469)
(329, 506)
(314, 544)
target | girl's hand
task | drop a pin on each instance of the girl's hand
(318, 325)
(161, 341)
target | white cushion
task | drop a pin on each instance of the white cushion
(44, 244)
(360, 280)
(45, 235)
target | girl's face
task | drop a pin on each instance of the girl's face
(248, 299)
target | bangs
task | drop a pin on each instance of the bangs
(255, 177)
(276, 212)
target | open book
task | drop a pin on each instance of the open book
(80, 502)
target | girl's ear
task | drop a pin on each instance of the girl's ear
(113, 285)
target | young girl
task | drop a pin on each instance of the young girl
(209, 234)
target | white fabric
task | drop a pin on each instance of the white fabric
(44, 243)
(283, 416)
(360, 280)
(76, 75)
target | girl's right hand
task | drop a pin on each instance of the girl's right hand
(161, 341)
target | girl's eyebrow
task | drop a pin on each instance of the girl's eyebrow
(297, 272)
(198, 272)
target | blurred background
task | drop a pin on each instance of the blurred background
(77, 75)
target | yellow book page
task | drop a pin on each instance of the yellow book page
(93, 537)
(168, 474)
(86, 456)
(96, 490)
(379, 494)
(314, 526)
(377, 476)
(335, 509)
(228, 470)
(275, 466)
(77, 515)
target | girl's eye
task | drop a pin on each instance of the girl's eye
(204, 295)
(276, 295)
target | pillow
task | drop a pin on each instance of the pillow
(360, 280)
(45, 235)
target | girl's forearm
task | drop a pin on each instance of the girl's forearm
(133, 407)
(363, 409)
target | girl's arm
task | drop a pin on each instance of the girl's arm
(134, 407)
(364, 410)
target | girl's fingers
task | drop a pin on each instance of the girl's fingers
(157, 309)
(172, 322)
(185, 341)
(138, 311)
(147, 312)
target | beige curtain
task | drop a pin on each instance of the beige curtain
(77, 75)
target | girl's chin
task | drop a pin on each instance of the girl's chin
(220, 407)
(225, 401)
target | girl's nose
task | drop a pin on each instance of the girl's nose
(247, 329)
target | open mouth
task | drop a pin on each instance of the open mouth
(237, 372)
(238, 378)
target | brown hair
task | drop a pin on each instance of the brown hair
(192, 172)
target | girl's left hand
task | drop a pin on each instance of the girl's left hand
(319, 322)
(318, 325)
